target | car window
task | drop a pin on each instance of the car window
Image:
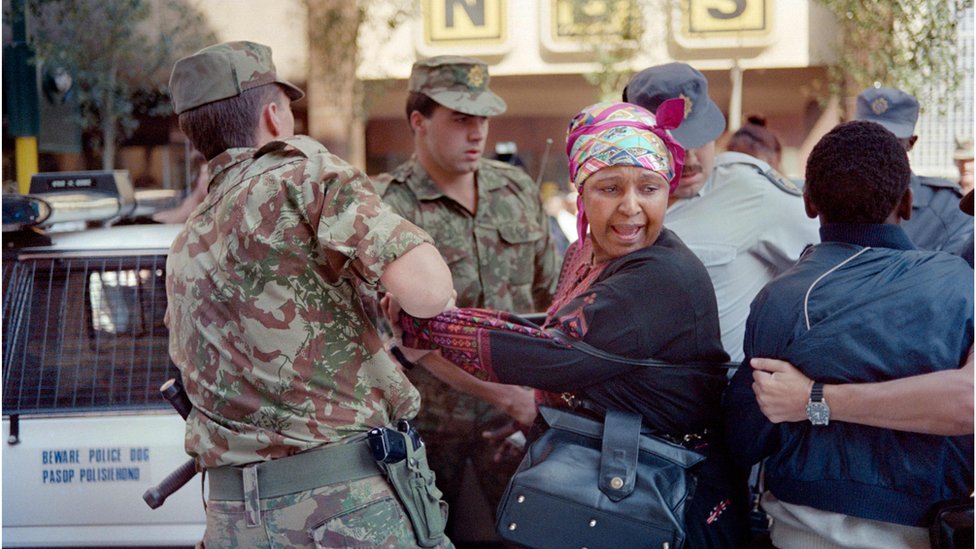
(84, 333)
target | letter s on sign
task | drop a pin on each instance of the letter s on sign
(738, 9)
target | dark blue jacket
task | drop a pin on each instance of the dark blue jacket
(890, 312)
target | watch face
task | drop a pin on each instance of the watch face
(818, 413)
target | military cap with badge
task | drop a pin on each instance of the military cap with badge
(894, 109)
(458, 83)
(704, 121)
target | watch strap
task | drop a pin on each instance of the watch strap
(816, 392)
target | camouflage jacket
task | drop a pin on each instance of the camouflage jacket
(266, 327)
(502, 256)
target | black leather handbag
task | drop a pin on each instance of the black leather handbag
(590, 484)
(951, 526)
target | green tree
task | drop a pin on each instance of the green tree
(613, 31)
(119, 54)
(908, 44)
(336, 97)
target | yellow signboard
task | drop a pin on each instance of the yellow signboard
(613, 20)
(725, 18)
(464, 22)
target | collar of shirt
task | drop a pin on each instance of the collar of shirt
(707, 186)
(882, 235)
(733, 157)
(920, 197)
(923, 189)
(424, 188)
(227, 160)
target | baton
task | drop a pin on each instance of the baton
(177, 397)
(156, 495)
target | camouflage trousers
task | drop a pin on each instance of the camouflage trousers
(361, 513)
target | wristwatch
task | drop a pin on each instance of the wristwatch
(817, 410)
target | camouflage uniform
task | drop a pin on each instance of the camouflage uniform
(270, 336)
(265, 325)
(362, 513)
(501, 257)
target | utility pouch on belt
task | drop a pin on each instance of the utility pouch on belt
(413, 482)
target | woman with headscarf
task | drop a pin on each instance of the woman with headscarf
(630, 287)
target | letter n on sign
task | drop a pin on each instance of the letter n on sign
(464, 22)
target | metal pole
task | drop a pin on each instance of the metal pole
(26, 158)
(735, 101)
(22, 90)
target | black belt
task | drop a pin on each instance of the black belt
(297, 473)
(595, 411)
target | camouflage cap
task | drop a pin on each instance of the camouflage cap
(458, 83)
(224, 71)
(894, 109)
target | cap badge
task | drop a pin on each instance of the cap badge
(879, 105)
(476, 76)
(688, 104)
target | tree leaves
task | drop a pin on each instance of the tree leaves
(906, 44)
(117, 53)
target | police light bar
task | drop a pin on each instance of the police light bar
(21, 211)
(85, 195)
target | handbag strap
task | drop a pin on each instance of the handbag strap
(565, 420)
(584, 347)
(618, 455)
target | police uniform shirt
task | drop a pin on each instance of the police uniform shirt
(937, 223)
(747, 225)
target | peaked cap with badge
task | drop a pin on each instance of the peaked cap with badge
(894, 109)
(458, 83)
(223, 71)
(704, 121)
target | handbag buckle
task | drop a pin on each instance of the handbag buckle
(570, 399)
(685, 439)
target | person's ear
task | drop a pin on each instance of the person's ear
(271, 119)
(904, 209)
(417, 121)
(809, 206)
(911, 142)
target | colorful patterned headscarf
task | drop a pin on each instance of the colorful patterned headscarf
(621, 134)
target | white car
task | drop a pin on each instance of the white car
(85, 351)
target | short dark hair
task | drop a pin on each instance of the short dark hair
(756, 140)
(857, 173)
(215, 127)
(421, 103)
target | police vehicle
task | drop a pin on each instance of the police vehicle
(84, 355)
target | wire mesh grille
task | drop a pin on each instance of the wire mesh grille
(938, 130)
(84, 334)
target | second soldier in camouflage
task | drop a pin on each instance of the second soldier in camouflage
(487, 220)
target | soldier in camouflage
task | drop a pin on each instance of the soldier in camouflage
(285, 372)
(487, 220)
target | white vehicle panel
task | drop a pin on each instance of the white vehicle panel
(79, 480)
